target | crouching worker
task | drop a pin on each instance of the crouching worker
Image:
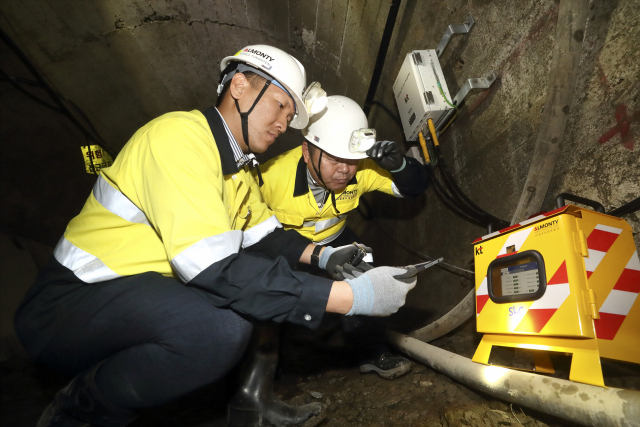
(154, 286)
(313, 188)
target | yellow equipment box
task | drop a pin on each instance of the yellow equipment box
(564, 281)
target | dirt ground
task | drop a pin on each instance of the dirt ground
(318, 367)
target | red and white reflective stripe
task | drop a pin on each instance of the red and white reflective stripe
(541, 310)
(599, 242)
(482, 296)
(516, 240)
(619, 302)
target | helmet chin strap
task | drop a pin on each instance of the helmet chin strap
(244, 119)
(319, 174)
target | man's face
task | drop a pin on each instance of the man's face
(336, 172)
(270, 117)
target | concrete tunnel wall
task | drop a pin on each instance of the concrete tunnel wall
(125, 63)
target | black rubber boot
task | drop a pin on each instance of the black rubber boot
(81, 404)
(255, 404)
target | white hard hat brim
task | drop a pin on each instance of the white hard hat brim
(301, 119)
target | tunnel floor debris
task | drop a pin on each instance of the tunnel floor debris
(313, 371)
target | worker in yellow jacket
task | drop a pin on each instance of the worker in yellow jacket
(312, 189)
(154, 286)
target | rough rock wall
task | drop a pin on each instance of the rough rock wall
(490, 145)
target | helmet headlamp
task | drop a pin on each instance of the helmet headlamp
(362, 140)
(314, 98)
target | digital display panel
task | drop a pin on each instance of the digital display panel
(517, 277)
(520, 279)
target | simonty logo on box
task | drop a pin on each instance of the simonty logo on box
(548, 224)
(260, 54)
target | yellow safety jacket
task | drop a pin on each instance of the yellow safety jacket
(286, 191)
(149, 212)
(175, 202)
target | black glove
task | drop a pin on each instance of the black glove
(332, 258)
(363, 267)
(387, 155)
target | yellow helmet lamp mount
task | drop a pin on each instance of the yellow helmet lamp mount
(564, 281)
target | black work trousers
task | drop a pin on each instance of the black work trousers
(156, 338)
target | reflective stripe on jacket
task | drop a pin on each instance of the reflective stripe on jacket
(286, 191)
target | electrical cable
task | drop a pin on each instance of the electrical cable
(364, 202)
(449, 122)
(455, 188)
(97, 136)
(440, 87)
(451, 186)
(445, 96)
(54, 95)
(24, 81)
(454, 199)
(12, 81)
(462, 202)
(386, 109)
(452, 205)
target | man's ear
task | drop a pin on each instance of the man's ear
(305, 152)
(238, 85)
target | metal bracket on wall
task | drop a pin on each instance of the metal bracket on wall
(476, 83)
(454, 29)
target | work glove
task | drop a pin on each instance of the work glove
(380, 291)
(387, 155)
(331, 258)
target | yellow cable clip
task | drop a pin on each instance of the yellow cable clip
(432, 129)
(423, 144)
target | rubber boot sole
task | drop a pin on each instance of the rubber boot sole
(388, 374)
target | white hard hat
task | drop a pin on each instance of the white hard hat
(341, 130)
(284, 68)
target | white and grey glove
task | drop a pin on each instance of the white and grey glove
(332, 258)
(380, 291)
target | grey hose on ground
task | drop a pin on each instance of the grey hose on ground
(581, 403)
